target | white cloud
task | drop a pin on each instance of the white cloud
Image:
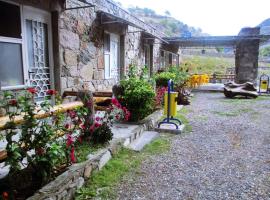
(216, 17)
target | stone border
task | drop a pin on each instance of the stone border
(66, 184)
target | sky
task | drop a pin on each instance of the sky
(215, 17)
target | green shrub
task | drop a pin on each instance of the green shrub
(180, 76)
(102, 134)
(163, 78)
(138, 96)
(175, 73)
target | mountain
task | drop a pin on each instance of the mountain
(167, 24)
(265, 27)
(265, 30)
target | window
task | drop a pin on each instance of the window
(11, 56)
(147, 55)
(10, 20)
(25, 48)
(111, 56)
(8, 66)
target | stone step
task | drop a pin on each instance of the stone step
(145, 138)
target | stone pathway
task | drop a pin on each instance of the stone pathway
(226, 156)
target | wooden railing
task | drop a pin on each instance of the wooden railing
(39, 115)
(222, 78)
(98, 99)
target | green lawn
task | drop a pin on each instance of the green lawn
(102, 183)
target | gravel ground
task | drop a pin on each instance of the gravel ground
(226, 156)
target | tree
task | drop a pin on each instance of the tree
(167, 13)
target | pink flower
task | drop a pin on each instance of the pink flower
(72, 155)
(97, 119)
(117, 117)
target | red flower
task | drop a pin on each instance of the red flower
(69, 140)
(32, 90)
(97, 125)
(97, 119)
(13, 102)
(82, 127)
(92, 128)
(40, 151)
(80, 139)
(89, 103)
(114, 101)
(51, 92)
(117, 117)
(72, 155)
(72, 114)
(5, 195)
(67, 126)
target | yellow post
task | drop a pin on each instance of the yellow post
(172, 103)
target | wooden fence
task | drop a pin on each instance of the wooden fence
(222, 78)
(99, 98)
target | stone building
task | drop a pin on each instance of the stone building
(70, 44)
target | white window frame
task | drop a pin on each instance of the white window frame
(31, 13)
(106, 76)
(22, 43)
(25, 13)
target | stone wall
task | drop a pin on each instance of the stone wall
(134, 52)
(246, 57)
(65, 185)
(82, 55)
(78, 44)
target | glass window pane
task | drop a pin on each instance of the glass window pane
(10, 20)
(106, 42)
(11, 67)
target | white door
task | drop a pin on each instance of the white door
(39, 50)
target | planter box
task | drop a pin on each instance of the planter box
(66, 184)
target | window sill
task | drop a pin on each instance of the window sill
(18, 87)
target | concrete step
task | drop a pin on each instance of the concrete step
(145, 138)
(168, 128)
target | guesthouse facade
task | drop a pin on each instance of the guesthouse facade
(68, 45)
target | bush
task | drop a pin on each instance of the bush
(138, 97)
(180, 76)
(102, 134)
(163, 78)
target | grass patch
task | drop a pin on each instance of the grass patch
(84, 149)
(102, 184)
(208, 65)
(238, 101)
(201, 118)
(181, 115)
(233, 113)
(225, 114)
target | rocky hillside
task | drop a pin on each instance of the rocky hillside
(169, 25)
(265, 27)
